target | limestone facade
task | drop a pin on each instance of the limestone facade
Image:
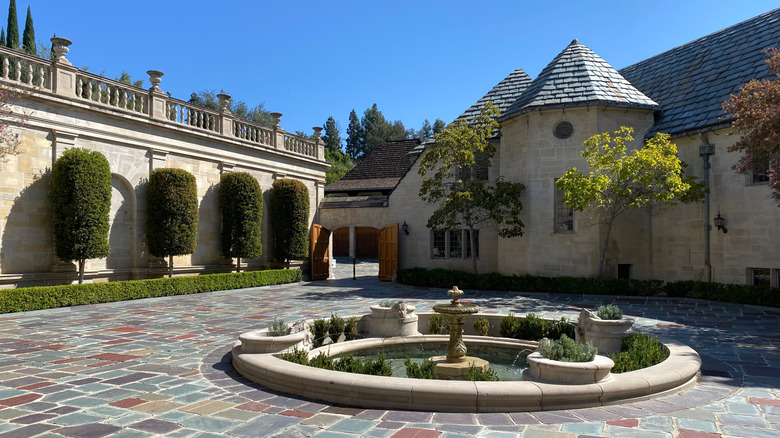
(138, 131)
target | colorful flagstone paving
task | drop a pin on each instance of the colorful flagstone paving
(162, 367)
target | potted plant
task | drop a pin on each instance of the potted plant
(604, 329)
(392, 319)
(565, 361)
(277, 337)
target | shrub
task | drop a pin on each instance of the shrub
(48, 297)
(609, 312)
(335, 327)
(81, 200)
(436, 324)
(387, 303)
(278, 327)
(241, 204)
(533, 328)
(350, 329)
(320, 332)
(416, 371)
(479, 375)
(290, 219)
(296, 356)
(171, 214)
(638, 351)
(566, 350)
(348, 363)
(482, 326)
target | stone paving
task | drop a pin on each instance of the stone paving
(162, 367)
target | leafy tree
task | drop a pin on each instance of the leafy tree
(10, 143)
(28, 36)
(354, 136)
(257, 114)
(81, 200)
(756, 109)
(464, 198)
(290, 219)
(619, 180)
(171, 214)
(426, 131)
(12, 38)
(241, 204)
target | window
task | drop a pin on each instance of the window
(758, 175)
(480, 169)
(450, 244)
(624, 271)
(759, 277)
(468, 243)
(439, 241)
(564, 215)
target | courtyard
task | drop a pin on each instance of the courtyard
(163, 367)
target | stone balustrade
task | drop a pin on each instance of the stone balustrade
(62, 79)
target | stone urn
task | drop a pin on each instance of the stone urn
(541, 369)
(398, 320)
(604, 334)
(260, 342)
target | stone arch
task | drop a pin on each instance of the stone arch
(122, 235)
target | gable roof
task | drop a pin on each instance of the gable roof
(578, 77)
(502, 95)
(381, 170)
(692, 81)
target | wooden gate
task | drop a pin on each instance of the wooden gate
(320, 262)
(388, 252)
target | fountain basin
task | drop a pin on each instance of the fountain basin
(677, 372)
(541, 369)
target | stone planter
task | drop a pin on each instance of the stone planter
(541, 369)
(259, 342)
(604, 334)
(398, 320)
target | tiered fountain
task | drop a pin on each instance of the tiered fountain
(456, 363)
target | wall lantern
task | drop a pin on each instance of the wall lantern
(405, 227)
(720, 223)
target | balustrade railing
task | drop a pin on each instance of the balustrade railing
(299, 146)
(195, 116)
(112, 93)
(25, 69)
(253, 133)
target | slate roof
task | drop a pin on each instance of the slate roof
(379, 171)
(691, 81)
(502, 95)
(578, 77)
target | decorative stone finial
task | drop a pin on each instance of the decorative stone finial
(224, 103)
(155, 78)
(276, 117)
(317, 131)
(60, 48)
(456, 293)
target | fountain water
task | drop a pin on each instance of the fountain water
(456, 363)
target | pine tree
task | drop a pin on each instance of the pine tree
(2, 36)
(438, 126)
(354, 136)
(331, 135)
(28, 36)
(12, 40)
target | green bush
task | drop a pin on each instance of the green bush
(482, 326)
(350, 329)
(533, 328)
(638, 351)
(479, 375)
(171, 214)
(436, 324)
(48, 297)
(241, 204)
(733, 293)
(320, 332)
(566, 350)
(387, 303)
(336, 327)
(296, 356)
(348, 363)
(278, 327)
(427, 370)
(290, 219)
(609, 312)
(81, 200)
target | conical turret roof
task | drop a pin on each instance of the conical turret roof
(503, 95)
(578, 77)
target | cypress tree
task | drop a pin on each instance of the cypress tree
(2, 36)
(290, 219)
(28, 36)
(241, 204)
(331, 135)
(354, 136)
(12, 40)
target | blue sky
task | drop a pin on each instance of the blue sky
(310, 60)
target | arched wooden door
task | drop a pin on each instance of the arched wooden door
(388, 252)
(320, 262)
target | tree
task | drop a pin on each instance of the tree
(2, 36)
(426, 131)
(619, 180)
(12, 37)
(438, 126)
(81, 200)
(171, 214)
(376, 130)
(10, 142)
(331, 135)
(257, 114)
(340, 163)
(290, 219)
(241, 204)
(354, 136)
(756, 111)
(28, 36)
(125, 78)
(464, 197)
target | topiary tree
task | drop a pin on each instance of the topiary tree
(171, 214)
(241, 204)
(81, 200)
(290, 219)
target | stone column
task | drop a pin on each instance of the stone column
(352, 241)
(62, 140)
(225, 116)
(157, 159)
(63, 74)
(278, 131)
(157, 98)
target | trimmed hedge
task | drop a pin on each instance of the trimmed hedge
(171, 214)
(732, 293)
(48, 297)
(241, 204)
(290, 219)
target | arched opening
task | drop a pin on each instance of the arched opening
(122, 234)
(362, 242)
